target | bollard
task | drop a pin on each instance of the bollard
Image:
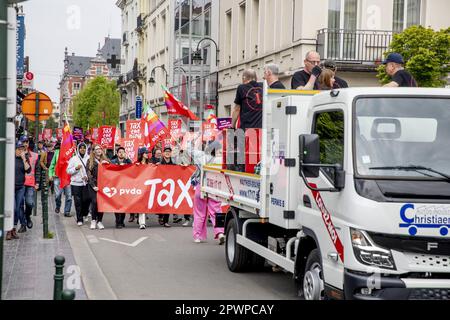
(58, 277)
(68, 295)
(44, 202)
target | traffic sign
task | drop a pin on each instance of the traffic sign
(29, 106)
(138, 107)
(28, 80)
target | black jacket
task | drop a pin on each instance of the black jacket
(20, 172)
(92, 174)
(164, 162)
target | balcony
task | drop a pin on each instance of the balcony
(353, 50)
(125, 38)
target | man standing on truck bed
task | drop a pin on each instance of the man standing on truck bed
(306, 79)
(247, 112)
(395, 69)
(271, 74)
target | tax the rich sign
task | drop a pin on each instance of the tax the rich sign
(146, 189)
(135, 129)
(131, 148)
(106, 137)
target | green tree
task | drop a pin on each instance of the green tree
(426, 53)
(51, 124)
(98, 103)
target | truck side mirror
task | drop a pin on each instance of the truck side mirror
(310, 154)
(339, 177)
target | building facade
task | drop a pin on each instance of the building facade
(79, 70)
(354, 33)
(131, 67)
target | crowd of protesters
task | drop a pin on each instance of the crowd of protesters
(31, 168)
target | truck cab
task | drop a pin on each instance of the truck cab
(353, 196)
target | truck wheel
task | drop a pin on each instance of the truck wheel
(237, 256)
(313, 280)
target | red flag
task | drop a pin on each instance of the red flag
(65, 154)
(174, 106)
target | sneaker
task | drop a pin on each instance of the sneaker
(166, 225)
(186, 223)
(161, 221)
(22, 229)
(80, 224)
(9, 236)
(93, 225)
(57, 211)
(221, 239)
(119, 226)
(86, 219)
(100, 226)
(29, 223)
(142, 227)
(198, 241)
(177, 220)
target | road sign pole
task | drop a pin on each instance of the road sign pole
(36, 128)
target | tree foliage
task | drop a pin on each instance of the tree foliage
(426, 53)
(98, 103)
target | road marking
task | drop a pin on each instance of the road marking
(133, 245)
(92, 239)
(157, 238)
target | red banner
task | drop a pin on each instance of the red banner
(131, 148)
(135, 129)
(40, 136)
(175, 128)
(209, 131)
(47, 134)
(94, 137)
(59, 133)
(106, 137)
(146, 189)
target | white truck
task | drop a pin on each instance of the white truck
(353, 197)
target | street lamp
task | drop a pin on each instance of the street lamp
(152, 81)
(197, 57)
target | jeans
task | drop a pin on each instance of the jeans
(19, 196)
(96, 216)
(29, 202)
(58, 195)
(82, 201)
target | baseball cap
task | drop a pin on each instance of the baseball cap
(167, 148)
(329, 64)
(394, 57)
(23, 139)
(19, 144)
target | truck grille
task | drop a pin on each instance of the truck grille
(423, 260)
(430, 294)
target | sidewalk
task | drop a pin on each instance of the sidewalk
(28, 265)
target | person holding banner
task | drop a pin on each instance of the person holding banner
(78, 182)
(121, 160)
(167, 160)
(56, 185)
(96, 158)
(143, 160)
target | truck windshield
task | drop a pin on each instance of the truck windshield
(402, 138)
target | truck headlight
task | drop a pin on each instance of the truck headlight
(368, 253)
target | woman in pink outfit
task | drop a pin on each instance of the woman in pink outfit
(205, 207)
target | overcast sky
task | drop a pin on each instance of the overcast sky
(52, 25)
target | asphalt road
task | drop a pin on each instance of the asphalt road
(163, 264)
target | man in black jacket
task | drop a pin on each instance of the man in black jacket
(121, 160)
(22, 167)
(306, 79)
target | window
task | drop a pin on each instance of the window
(330, 128)
(99, 70)
(342, 22)
(406, 14)
(242, 31)
(228, 37)
(185, 55)
(76, 87)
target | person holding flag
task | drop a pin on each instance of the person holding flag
(58, 171)
(97, 158)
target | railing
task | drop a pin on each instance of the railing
(353, 46)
